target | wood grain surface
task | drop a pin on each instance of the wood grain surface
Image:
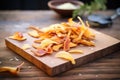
(105, 68)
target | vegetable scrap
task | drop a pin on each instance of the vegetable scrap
(18, 36)
(65, 55)
(75, 51)
(33, 33)
(13, 70)
(25, 46)
(39, 52)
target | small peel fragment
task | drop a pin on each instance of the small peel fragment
(75, 51)
(18, 36)
(57, 47)
(25, 46)
(47, 42)
(13, 70)
(34, 33)
(39, 52)
(65, 55)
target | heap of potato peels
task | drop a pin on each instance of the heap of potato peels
(60, 37)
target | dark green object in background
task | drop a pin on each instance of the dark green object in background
(89, 8)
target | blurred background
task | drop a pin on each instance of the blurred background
(42, 4)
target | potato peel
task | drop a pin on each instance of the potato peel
(75, 51)
(13, 70)
(39, 52)
(34, 33)
(65, 55)
(47, 42)
(57, 47)
(18, 36)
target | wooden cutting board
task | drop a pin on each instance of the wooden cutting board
(53, 66)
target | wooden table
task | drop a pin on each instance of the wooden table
(105, 68)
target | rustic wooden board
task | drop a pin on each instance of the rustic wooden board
(53, 66)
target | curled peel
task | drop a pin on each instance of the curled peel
(18, 36)
(47, 42)
(13, 70)
(34, 33)
(75, 51)
(39, 52)
(57, 47)
(65, 55)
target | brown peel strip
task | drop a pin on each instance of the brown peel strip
(18, 36)
(75, 51)
(13, 70)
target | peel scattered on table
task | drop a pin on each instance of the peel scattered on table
(13, 70)
(65, 55)
(18, 36)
